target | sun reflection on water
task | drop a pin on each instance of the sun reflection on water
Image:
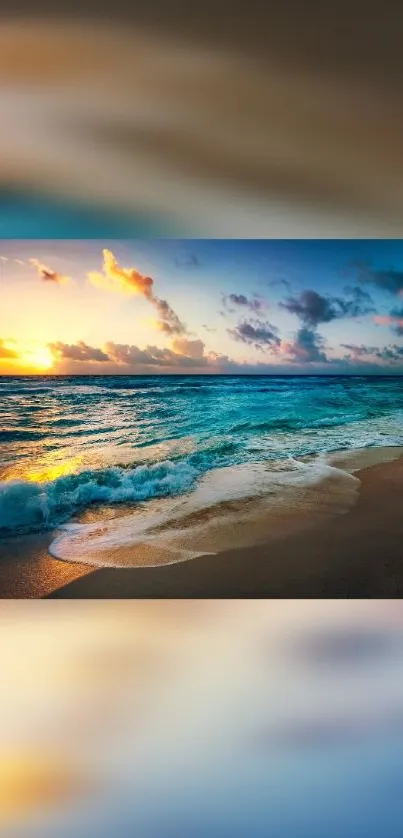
(46, 471)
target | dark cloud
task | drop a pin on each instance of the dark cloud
(360, 352)
(6, 352)
(391, 353)
(313, 308)
(359, 304)
(397, 315)
(259, 333)
(79, 351)
(254, 304)
(307, 347)
(388, 279)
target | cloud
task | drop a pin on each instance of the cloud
(188, 260)
(44, 272)
(284, 282)
(390, 354)
(169, 322)
(357, 351)
(79, 351)
(258, 333)
(47, 274)
(360, 304)
(383, 319)
(397, 317)
(254, 304)
(131, 355)
(130, 281)
(394, 319)
(183, 353)
(305, 348)
(192, 348)
(313, 308)
(123, 280)
(151, 356)
(10, 259)
(388, 279)
(7, 351)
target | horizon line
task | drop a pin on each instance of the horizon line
(204, 375)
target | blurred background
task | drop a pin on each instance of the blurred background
(238, 718)
(213, 119)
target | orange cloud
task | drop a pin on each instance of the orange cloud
(388, 319)
(130, 281)
(7, 349)
(190, 348)
(123, 280)
(47, 274)
(383, 319)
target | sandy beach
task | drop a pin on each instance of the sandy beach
(356, 554)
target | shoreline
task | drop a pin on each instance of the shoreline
(330, 556)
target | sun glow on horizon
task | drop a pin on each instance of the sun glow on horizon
(39, 358)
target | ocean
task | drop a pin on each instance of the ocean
(105, 459)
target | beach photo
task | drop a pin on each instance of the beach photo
(201, 418)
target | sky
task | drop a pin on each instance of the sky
(201, 306)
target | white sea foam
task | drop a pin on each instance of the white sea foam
(175, 526)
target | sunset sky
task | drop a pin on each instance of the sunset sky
(173, 306)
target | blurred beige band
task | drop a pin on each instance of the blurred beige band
(216, 141)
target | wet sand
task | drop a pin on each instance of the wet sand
(358, 554)
(33, 574)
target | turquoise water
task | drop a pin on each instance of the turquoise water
(67, 443)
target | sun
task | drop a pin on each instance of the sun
(42, 359)
(39, 359)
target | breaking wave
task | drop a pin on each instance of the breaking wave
(28, 507)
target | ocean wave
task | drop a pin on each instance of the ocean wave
(28, 507)
(183, 528)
